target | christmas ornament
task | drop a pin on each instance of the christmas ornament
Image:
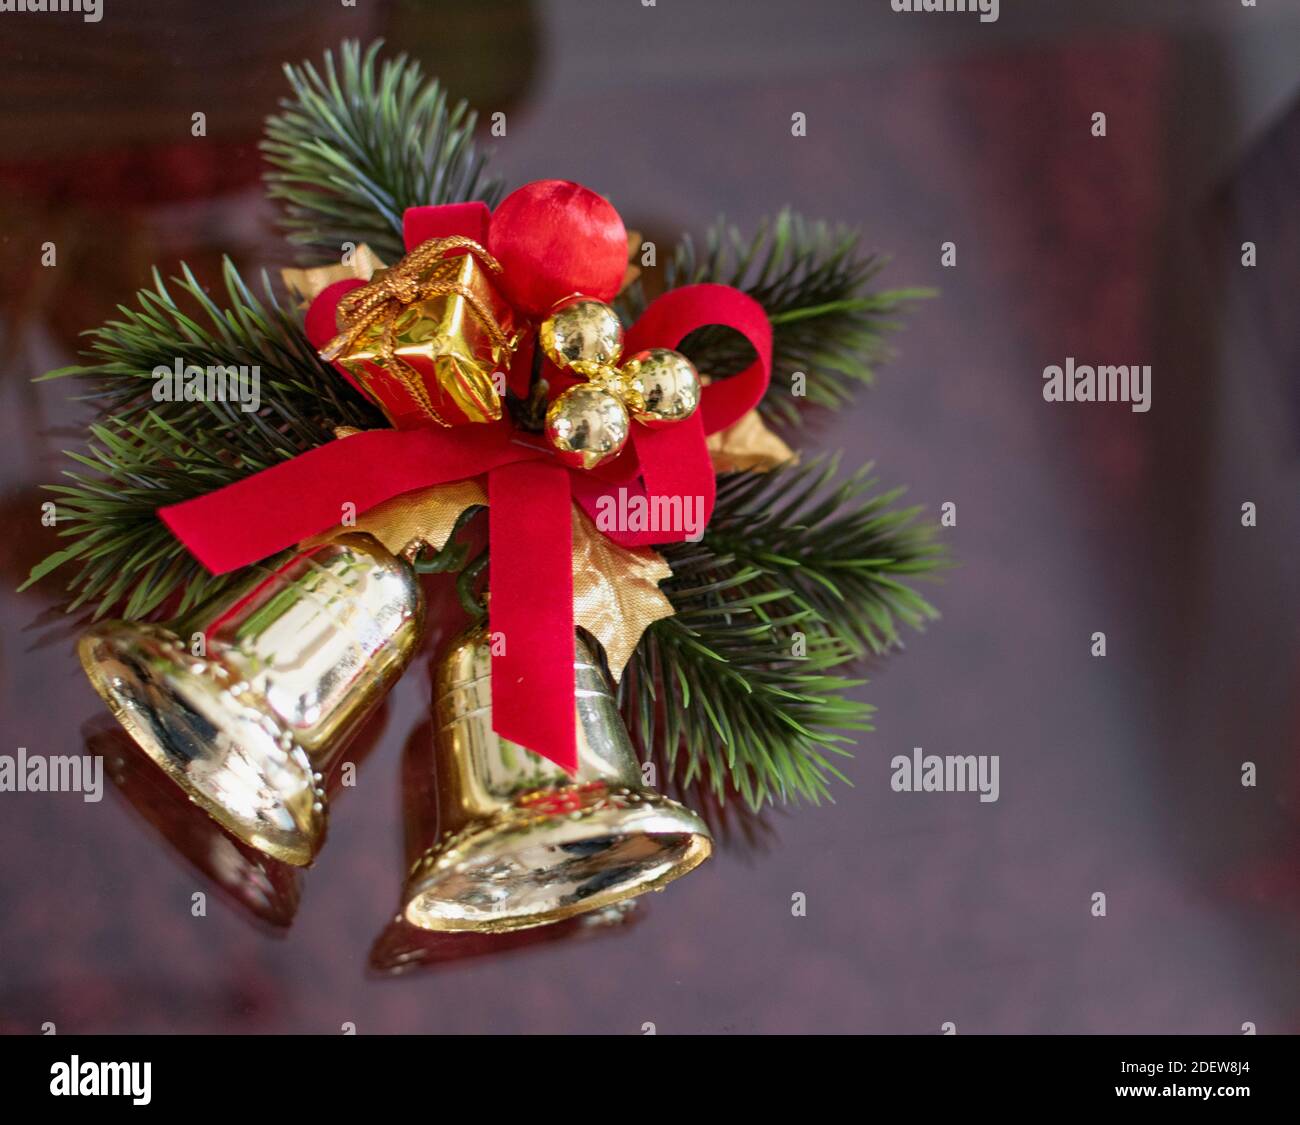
(486, 315)
(424, 338)
(588, 423)
(246, 703)
(530, 492)
(583, 334)
(521, 842)
(664, 386)
(554, 238)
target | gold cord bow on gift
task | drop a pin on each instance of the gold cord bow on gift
(440, 308)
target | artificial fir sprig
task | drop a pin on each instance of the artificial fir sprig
(814, 281)
(126, 558)
(730, 693)
(840, 550)
(181, 321)
(361, 141)
(794, 578)
(145, 454)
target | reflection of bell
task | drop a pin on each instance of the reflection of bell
(518, 842)
(263, 888)
(248, 701)
(402, 948)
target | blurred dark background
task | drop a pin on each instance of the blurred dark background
(1119, 774)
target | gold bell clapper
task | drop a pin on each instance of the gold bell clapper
(590, 422)
(515, 840)
(248, 702)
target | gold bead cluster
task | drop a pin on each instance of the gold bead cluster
(589, 423)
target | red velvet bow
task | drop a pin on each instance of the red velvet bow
(529, 491)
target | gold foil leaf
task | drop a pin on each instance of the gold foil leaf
(308, 284)
(747, 444)
(422, 516)
(633, 270)
(615, 590)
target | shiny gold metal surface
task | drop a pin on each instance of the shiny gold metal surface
(518, 842)
(246, 703)
(587, 425)
(665, 387)
(583, 334)
(402, 949)
(590, 423)
(443, 311)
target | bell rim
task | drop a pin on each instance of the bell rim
(446, 857)
(117, 638)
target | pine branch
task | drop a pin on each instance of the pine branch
(126, 557)
(182, 321)
(358, 143)
(841, 550)
(147, 454)
(814, 282)
(718, 692)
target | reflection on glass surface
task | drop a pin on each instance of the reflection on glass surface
(258, 886)
(403, 948)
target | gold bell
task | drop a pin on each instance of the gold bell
(517, 842)
(247, 702)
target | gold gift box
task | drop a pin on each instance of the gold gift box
(448, 364)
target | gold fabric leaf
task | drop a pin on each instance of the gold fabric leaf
(422, 516)
(633, 270)
(747, 444)
(615, 590)
(308, 284)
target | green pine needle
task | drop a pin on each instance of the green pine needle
(146, 454)
(361, 141)
(719, 691)
(814, 281)
(839, 550)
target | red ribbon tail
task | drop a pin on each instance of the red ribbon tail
(253, 518)
(531, 609)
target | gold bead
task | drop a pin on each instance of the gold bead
(664, 387)
(587, 425)
(582, 334)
